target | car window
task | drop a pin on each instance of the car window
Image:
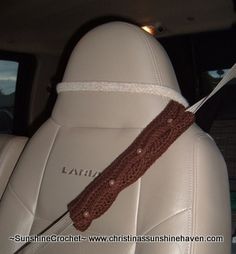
(8, 79)
(209, 80)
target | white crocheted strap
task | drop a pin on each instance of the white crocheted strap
(123, 87)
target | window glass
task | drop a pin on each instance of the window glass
(8, 78)
(209, 80)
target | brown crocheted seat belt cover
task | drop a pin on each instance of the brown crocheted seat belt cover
(130, 165)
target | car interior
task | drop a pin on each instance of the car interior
(80, 83)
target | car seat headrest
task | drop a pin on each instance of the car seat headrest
(121, 59)
(120, 52)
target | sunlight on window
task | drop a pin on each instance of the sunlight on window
(218, 74)
(209, 80)
(8, 76)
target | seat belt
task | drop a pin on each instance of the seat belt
(127, 168)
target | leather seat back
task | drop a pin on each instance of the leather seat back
(11, 148)
(125, 80)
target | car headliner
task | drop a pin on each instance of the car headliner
(47, 25)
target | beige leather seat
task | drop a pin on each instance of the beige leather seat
(10, 149)
(117, 80)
